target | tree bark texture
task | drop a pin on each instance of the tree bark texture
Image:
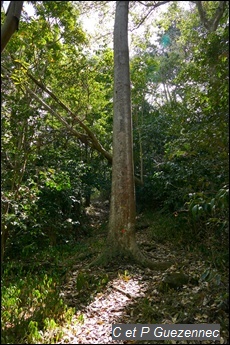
(121, 240)
(121, 237)
(11, 23)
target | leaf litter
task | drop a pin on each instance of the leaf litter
(129, 294)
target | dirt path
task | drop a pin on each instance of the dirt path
(128, 294)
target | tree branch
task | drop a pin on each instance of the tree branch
(218, 15)
(212, 24)
(94, 141)
(153, 4)
(89, 139)
(152, 7)
(81, 136)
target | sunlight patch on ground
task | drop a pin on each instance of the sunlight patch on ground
(106, 309)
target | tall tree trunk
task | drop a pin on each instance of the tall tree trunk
(121, 240)
(121, 237)
(11, 23)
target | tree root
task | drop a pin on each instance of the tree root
(142, 261)
(107, 258)
(158, 266)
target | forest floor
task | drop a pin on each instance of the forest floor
(53, 297)
(189, 292)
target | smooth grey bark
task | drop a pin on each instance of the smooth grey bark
(11, 23)
(121, 235)
(121, 240)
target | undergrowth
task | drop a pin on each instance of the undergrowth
(32, 308)
(182, 231)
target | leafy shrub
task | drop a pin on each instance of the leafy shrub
(46, 212)
(30, 307)
(209, 212)
(207, 224)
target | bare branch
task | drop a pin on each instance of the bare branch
(143, 19)
(152, 6)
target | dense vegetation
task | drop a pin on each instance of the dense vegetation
(57, 112)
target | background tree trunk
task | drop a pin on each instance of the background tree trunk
(11, 23)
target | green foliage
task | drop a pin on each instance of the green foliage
(149, 312)
(85, 281)
(201, 206)
(180, 117)
(43, 208)
(81, 282)
(165, 227)
(36, 147)
(184, 139)
(209, 222)
(31, 308)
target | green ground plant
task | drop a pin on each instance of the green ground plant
(31, 308)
